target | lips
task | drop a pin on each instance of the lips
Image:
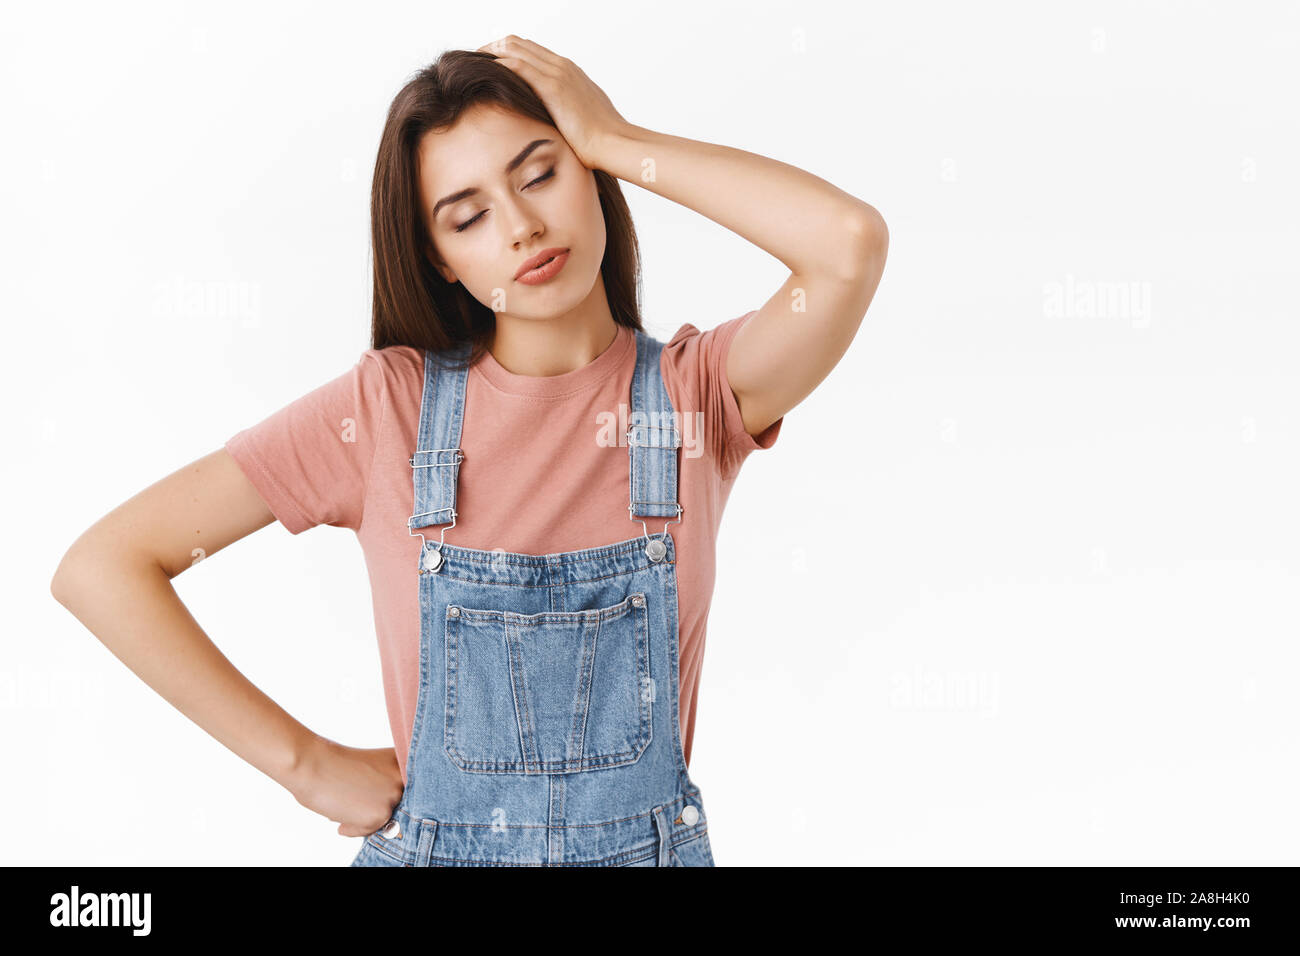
(544, 256)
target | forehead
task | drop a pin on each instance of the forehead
(478, 145)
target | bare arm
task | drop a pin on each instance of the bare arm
(116, 579)
(834, 244)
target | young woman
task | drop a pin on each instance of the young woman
(535, 481)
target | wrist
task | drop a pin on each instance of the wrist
(301, 762)
(612, 143)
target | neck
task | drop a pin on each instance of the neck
(554, 345)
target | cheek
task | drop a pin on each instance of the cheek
(470, 256)
(575, 196)
(591, 196)
(586, 214)
(594, 225)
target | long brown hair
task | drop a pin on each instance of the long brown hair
(413, 304)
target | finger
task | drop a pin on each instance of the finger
(502, 46)
(537, 50)
(529, 71)
(525, 51)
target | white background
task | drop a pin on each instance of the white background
(1017, 584)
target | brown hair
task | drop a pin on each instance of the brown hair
(413, 304)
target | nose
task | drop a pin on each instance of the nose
(525, 224)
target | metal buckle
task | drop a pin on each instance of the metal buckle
(677, 438)
(662, 534)
(442, 537)
(460, 456)
(424, 547)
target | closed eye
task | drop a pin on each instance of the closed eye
(540, 179)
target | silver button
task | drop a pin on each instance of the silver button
(454, 611)
(656, 549)
(392, 829)
(432, 560)
(638, 600)
(690, 816)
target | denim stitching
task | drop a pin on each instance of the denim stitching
(603, 577)
(385, 847)
(637, 854)
(636, 746)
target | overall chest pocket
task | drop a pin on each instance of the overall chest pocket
(554, 692)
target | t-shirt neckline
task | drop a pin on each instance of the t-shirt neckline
(556, 386)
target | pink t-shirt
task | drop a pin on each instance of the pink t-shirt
(536, 479)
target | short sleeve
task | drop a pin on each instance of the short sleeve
(697, 361)
(310, 460)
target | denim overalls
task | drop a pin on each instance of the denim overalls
(546, 729)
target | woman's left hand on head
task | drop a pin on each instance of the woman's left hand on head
(582, 112)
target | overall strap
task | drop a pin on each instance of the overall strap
(435, 464)
(652, 441)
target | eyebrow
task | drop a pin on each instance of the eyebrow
(510, 168)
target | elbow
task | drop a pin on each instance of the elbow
(62, 585)
(867, 245)
(869, 232)
(74, 570)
